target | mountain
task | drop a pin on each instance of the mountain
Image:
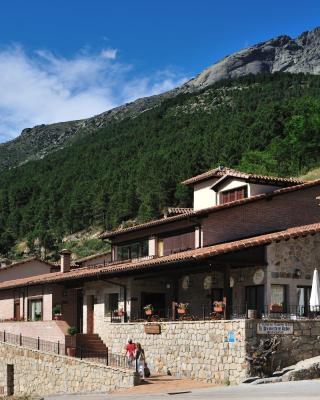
(281, 54)
(130, 169)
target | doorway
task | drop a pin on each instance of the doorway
(16, 311)
(90, 314)
(255, 298)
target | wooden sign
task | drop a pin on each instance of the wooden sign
(275, 328)
(154, 329)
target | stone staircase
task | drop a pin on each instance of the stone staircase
(91, 346)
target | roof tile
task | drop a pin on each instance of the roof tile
(210, 251)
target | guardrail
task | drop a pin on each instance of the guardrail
(33, 343)
(105, 357)
(207, 312)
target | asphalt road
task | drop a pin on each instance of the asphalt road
(275, 391)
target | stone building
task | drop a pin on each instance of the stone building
(248, 247)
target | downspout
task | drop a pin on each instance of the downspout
(124, 287)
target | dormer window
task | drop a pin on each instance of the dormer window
(129, 251)
(233, 194)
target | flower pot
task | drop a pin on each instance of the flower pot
(277, 308)
(182, 311)
(218, 309)
(120, 313)
(71, 351)
(148, 312)
(57, 317)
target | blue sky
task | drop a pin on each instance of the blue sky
(70, 59)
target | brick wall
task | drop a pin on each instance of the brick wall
(271, 214)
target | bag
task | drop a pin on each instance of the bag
(147, 372)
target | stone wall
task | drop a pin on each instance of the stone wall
(38, 373)
(196, 349)
(302, 344)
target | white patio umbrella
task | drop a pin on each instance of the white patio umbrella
(315, 292)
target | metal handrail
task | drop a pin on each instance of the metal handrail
(33, 343)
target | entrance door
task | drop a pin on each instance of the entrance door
(90, 314)
(16, 312)
(158, 301)
(255, 298)
(79, 310)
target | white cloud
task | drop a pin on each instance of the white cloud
(45, 88)
(109, 53)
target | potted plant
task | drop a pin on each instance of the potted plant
(276, 308)
(71, 349)
(148, 309)
(218, 306)
(182, 308)
(56, 310)
(121, 312)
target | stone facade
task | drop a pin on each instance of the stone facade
(198, 350)
(286, 257)
(37, 373)
(303, 343)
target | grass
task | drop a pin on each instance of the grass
(311, 175)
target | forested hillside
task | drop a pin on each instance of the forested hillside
(266, 124)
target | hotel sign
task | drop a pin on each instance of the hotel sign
(275, 328)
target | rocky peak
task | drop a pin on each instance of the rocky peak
(280, 54)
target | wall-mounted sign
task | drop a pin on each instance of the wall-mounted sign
(154, 329)
(275, 328)
(258, 276)
(207, 282)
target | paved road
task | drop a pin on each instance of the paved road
(277, 391)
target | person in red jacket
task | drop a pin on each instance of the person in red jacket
(130, 351)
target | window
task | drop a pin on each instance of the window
(278, 295)
(35, 310)
(111, 303)
(303, 298)
(233, 194)
(133, 250)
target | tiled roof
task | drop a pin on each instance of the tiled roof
(190, 255)
(223, 171)
(178, 210)
(92, 257)
(188, 214)
(26, 261)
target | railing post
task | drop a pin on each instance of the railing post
(58, 346)
(81, 353)
(203, 312)
(4, 336)
(38, 343)
(107, 356)
(20, 339)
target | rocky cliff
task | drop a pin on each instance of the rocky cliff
(281, 54)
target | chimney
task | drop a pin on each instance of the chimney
(65, 260)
